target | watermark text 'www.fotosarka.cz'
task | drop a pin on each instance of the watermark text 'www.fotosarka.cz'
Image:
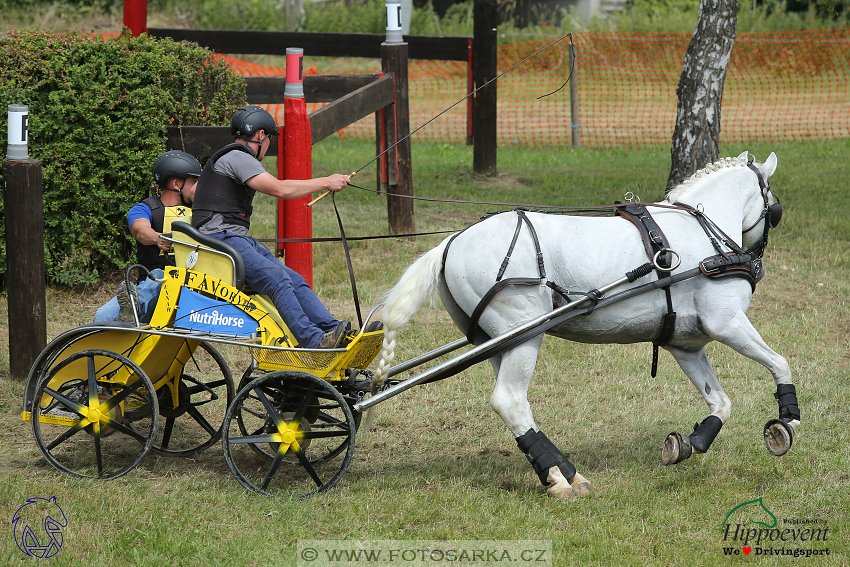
(419, 553)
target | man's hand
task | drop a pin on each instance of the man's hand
(163, 245)
(337, 182)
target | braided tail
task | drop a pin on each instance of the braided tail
(418, 283)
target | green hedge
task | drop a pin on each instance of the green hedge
(98, 110)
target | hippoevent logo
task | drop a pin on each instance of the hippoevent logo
(37, 526)
(751, 529)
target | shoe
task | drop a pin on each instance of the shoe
(374, 326)
(126, 312)
(335, 338)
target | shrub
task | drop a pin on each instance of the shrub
(98, 113)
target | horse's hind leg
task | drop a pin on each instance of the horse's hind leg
(695, 364)
(514, 369)
(739, 334)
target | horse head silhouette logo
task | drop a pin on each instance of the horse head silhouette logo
(38, 527)
(750, 510)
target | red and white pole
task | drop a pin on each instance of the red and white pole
(298, 164)
(136, 16)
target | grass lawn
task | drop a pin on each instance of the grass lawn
(440, 464)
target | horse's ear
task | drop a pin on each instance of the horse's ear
(770, 165)
(744, 157)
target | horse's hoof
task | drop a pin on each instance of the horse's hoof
(560, 487)
(581, 486)
(676, 448)
(778, 437)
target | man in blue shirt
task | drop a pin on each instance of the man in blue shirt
(177, 175)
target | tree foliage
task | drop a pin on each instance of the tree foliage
(98, 111)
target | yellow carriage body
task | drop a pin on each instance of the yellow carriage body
(104, 394)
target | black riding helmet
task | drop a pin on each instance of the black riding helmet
(248, 119)
(175, 164)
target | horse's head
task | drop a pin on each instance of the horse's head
(764, 212)
(735, 183)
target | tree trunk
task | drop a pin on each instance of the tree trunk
(696, 138)
(294, 10)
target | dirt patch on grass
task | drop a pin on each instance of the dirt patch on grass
(501, 181)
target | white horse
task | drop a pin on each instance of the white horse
(581, 254)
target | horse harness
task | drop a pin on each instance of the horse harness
(735, 263)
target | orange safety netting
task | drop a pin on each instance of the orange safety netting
(779, 87)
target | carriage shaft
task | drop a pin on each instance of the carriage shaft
(428, 356)
(477, 351)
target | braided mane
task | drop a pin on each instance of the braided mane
(722, 163)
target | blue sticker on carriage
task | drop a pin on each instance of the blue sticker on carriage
(200, 313)
(37, 527)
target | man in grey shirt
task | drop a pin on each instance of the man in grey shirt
(222, 209)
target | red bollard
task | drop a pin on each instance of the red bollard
(136, 16)
(298, 164)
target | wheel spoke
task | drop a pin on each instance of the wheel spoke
(268, 405)
(65, 436)
(268, 438)
(120, 397)
(272, 469)
(305, 462)
(94, 401)
(65, 401)
(196, 415)
(202, 387)
(166, 433)
(302, 409)
(127, 431)
(324, 434)
(97, 451)
(261, 428)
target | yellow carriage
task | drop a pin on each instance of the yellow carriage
(102, 395)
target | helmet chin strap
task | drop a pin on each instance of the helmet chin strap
(258, 142)
(182, 197)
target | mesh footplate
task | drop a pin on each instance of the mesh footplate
(359, 354)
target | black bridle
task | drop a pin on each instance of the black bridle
(772, 213)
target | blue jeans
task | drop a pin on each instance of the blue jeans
(148, 295)
(300, 309)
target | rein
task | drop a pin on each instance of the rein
(722, 264)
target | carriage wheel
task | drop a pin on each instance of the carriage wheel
(301, 421)
(93, 427)
(268, 450)
(205, 391)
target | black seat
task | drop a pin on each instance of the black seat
(219, 246)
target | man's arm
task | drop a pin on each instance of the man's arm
(295, 188)
(144, 233)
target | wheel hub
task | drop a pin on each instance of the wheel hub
(290, 435)
(166, 405)
(95, 415)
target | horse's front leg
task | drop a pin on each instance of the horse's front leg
(695, 364)
(740, 335)
(514, 370)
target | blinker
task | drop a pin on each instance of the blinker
(774, 215)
